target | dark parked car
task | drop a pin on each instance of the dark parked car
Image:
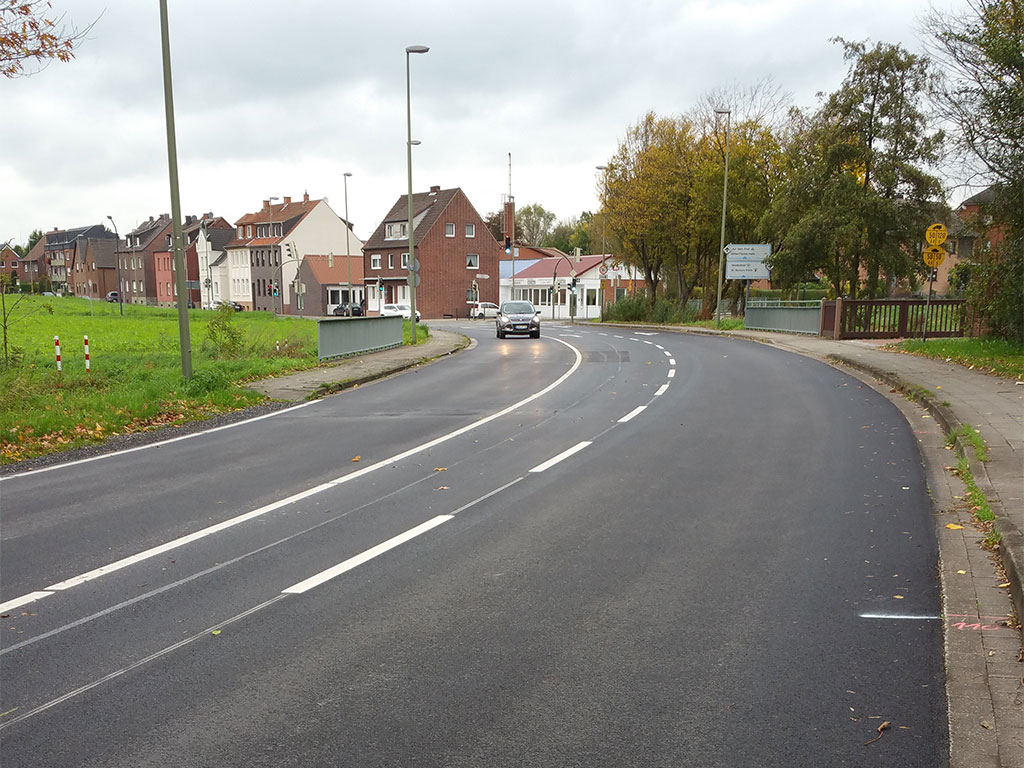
(112, 296)
(518, 317)
(346, 310)
(233, 304)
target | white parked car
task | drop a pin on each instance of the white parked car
(398, 310)
(482, 309)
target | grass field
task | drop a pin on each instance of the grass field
(135, 381)
(992, 355)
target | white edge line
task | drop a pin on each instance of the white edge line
(661, 391)
(897, 616)
(155, 445)
(561, 457)
(23, 600)
(363, 557)
(639, 409)
(672, 373)
(168, 546)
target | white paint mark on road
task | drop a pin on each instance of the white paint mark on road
(672, 373)
(903, 616)
(661, 391)
(645, 333)
(671, 361)
(23, 600)
(631, 414)
(363, 557)
(561, 457)
(659, 346)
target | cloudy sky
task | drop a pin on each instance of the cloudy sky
(280, 98)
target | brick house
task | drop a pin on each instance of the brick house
(163, 260)
(327, 282)
(269, 246)
(9, 262)
(33, 264)
(94, 272)
(138, 269)
(60, 251)
(454, 248)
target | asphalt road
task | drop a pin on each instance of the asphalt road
(595, 549)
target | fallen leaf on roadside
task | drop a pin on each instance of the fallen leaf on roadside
(885, 725)
(215, 632)
(440, 469)
(898, 597)
(986, 725)
(962, 572)
(357, 458)
(442, 488)
(954, 527)
(1004, 585)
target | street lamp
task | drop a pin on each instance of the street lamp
(408, 149)
(348, 251)
(721, 244)
(117, 258)
(273, 255)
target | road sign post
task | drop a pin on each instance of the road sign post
(935, 235)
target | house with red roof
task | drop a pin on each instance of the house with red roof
(548, 283)
(455, 250)
(327, 282)
(269, 245)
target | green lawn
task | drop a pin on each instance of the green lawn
(993, 355)
(135, 381)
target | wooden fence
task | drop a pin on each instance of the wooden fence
(891, 318)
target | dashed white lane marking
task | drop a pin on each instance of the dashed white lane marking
(174, 544)
(667, 353)
(363, 557)
(659, 346)
(671, 373)
(561, 457)
(671, 361)
(619, 337)
(600, 333)
(648, 342)
(645, 333)
(661, 391)
(634, 339)
(639, 409)
(23, 600)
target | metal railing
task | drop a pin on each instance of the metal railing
(784, 316)
(343, 336)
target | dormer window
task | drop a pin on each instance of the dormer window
(241, 230)
(248, 230)
(397, 231)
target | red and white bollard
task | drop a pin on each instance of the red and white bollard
(87, 354)
(277, 346)
(56, 344)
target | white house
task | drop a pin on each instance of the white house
(548, 282)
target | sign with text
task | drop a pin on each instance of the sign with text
(745, 269)
(934, 255)
(748, 251)
(936, 234)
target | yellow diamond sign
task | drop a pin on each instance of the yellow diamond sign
(936, 234)
(933, 255)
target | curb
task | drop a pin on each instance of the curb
(1011, 539)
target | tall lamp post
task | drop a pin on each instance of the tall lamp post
(117, 259)
(273, 254)
(348, 250)
(721, 245)
(408, 150)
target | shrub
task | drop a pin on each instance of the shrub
(222, 333)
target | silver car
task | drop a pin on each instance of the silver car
(518, 317)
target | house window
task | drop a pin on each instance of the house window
(397, 231)
(471, 230)
(240, 231)
(375, 261)
(248, 230)
(391, 261)
(405, 261)
(449, 230)
(472, 261)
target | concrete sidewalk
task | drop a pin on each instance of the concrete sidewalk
(984, 669)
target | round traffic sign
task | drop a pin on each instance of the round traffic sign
(936, 234)
(603, 269)
(933, 256)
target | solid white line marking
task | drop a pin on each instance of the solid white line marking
(662, 390)
(23, 600)
(363, 557)
(671, 373)
(561, 457)
(631, 414)
(156, 445)
(154, 551)
(907, 616)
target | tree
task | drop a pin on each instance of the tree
(30, 33)
(982, 51)
(859, 165)
(495, 223)
(573, 232)
(533, 224)
(7, 318)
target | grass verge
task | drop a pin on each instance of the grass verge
(969, 435)
(980, 509)
(997, 356)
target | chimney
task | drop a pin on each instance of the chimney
(150, 218)
(287, 200)
(266, 204)
(435, 189)
(305, 197)
(510, 219)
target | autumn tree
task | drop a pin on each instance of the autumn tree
(982, 52)
(533, 224)
(30, 33)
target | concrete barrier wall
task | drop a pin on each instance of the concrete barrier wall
(341, 336)
(786, 316)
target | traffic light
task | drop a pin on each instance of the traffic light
(380, 285)
(275, 288)
(573, 285)
(508, 244)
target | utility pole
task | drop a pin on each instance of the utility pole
(721, 246)
(184, 341)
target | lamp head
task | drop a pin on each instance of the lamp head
(417, 49)
(414, 143)
(346, 175)
(723, 111)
